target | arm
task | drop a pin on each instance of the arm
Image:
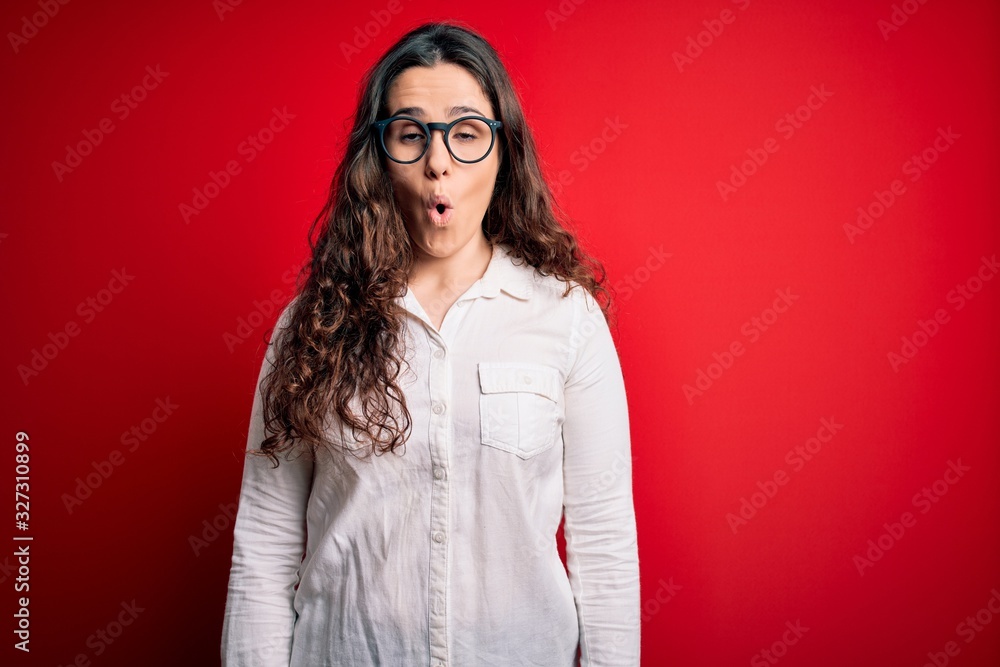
(601, 546)
(268, 543)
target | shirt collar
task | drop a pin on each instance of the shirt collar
(503, 274)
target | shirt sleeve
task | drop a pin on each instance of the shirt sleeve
(268, 545)
(601, 544)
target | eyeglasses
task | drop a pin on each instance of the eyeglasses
(405, 139)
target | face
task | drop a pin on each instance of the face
(441, 94)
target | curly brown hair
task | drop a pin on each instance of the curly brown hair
(343, 343)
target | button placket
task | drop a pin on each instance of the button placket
(440, 429)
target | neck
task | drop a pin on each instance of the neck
(461, 268)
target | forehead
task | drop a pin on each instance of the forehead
(437, 89)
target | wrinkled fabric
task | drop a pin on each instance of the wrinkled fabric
(445, 554)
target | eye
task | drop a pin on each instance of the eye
(469, 131)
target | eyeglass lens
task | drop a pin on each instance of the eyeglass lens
(469, 140)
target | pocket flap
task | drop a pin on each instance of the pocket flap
(501, 376)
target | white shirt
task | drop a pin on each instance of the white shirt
(446, 554)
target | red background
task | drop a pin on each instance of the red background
(653, 185)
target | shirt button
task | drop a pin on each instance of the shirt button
(438, 408)
(439, 354)
(460, 304)
(438, 473)
(439, 537)
(527, 379)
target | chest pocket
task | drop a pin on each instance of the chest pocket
(520, 407)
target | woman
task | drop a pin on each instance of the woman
(448, 385)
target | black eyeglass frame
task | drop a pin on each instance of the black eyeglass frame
(380, 125)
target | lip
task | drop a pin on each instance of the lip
(439, 218)
(433, 202)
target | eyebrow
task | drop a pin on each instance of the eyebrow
(418, 111)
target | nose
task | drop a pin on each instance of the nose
(438, 157)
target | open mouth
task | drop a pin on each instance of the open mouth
(439, 209)
(440, 214)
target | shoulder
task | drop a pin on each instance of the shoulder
(569, 294)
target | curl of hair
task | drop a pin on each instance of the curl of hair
(343, 345)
